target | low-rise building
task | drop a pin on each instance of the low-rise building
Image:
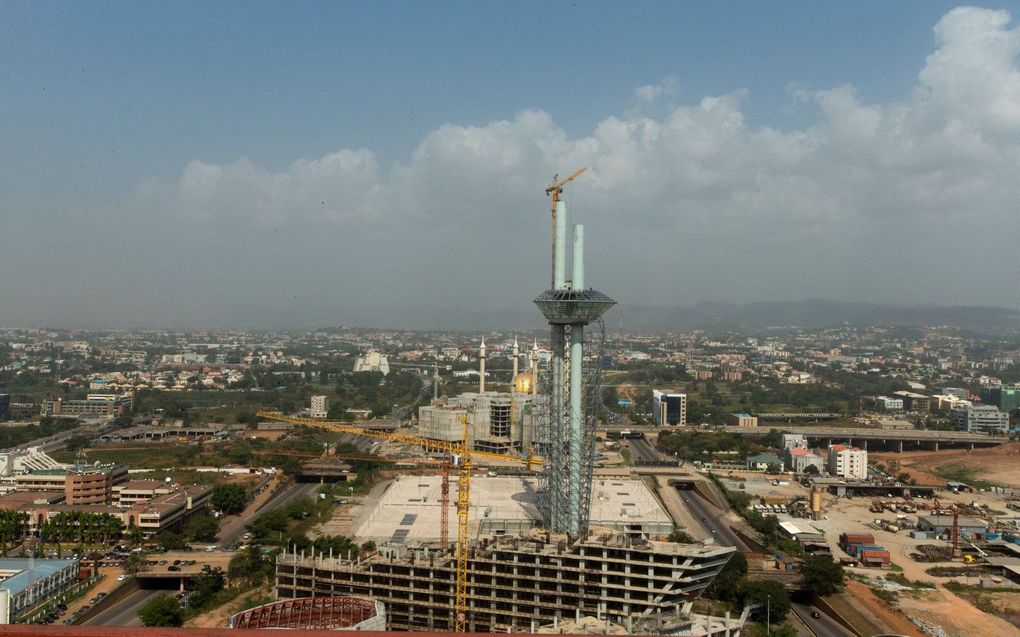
(885, 403)
(93, 405)
(26, 583)
(798, 460)
(942, 524)
(913, 401)
(764, 461)
(743, 420)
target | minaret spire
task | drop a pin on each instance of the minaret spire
(481, 368)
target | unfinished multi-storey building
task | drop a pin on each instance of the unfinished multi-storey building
(514, 583)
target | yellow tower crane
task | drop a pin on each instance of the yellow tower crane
(459, 451)
(553, 192)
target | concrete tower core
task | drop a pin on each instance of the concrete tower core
(573, 391)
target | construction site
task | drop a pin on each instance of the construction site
(534, 551)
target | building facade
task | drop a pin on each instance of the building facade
(743, 420)
(848, 462)
(320, 407)
(980, 418)
(500, 422)
(93, 405)
(669, 408)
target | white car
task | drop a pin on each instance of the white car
(121, 578)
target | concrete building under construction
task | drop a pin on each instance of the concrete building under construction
(560, 546)
(515, 583)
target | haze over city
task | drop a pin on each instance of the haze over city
(190, 165)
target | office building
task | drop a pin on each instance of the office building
(885, 403)
(27, 582)
(94, 405)
(913, 401)
(743, 420)
(320, 407)
(980, 418)
(669, 408)
(1005, 398)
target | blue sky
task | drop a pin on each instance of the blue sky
(99, 98)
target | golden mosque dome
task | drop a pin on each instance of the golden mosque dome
(523, 382)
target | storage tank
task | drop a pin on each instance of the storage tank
(816, 502)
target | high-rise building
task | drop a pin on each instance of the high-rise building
(320, 407)
(669, 408)
(980, 418)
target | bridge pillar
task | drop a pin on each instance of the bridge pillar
(972, 446)
(182, 585)
(901, 447)
(864, 444)
(936, 445)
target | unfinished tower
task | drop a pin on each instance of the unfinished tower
(569, 433)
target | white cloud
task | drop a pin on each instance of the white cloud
(651, 92)
(907, 201)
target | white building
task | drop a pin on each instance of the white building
(320, 407)
(848, 462)
(794, 441)
(980, 418)
(885, 403)
(372, 361)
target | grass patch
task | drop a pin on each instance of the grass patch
(960, 473)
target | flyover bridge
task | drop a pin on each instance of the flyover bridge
(896, 439)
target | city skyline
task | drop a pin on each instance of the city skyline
(164, 172)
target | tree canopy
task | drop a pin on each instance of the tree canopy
(822, 574)
(161, 611)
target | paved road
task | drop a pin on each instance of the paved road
(125, 612)
(823, 626)
(643, 450)
(711, 518)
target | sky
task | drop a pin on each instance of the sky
(291, 164)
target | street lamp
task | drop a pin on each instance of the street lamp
(768, 614)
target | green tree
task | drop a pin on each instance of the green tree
(133, 563)
(771, 595)
(201, 527)
(251, 565)
(171, 540)
(822, 575)
(811, 470)
(230, 498)
(205, 585)
(161, 611)
(774, 439)
(724, 586)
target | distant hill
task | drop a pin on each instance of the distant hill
(812, 313)
(818, 313)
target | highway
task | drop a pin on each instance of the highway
(711, 518)
(823, 626)
(125, 612)
(232, 528)
(643, 450)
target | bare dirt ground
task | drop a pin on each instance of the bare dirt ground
(954, 615)
(220, 616)
(870, 614)
(1000, 465)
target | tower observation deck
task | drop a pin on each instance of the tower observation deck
(568, 432)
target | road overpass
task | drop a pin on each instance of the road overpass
(897, 439)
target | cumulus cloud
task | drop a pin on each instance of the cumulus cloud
(906, 201)
(652, 92)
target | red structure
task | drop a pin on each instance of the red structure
(309, 613)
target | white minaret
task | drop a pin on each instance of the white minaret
(534, 368)
(517, 355)
(481, 368)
